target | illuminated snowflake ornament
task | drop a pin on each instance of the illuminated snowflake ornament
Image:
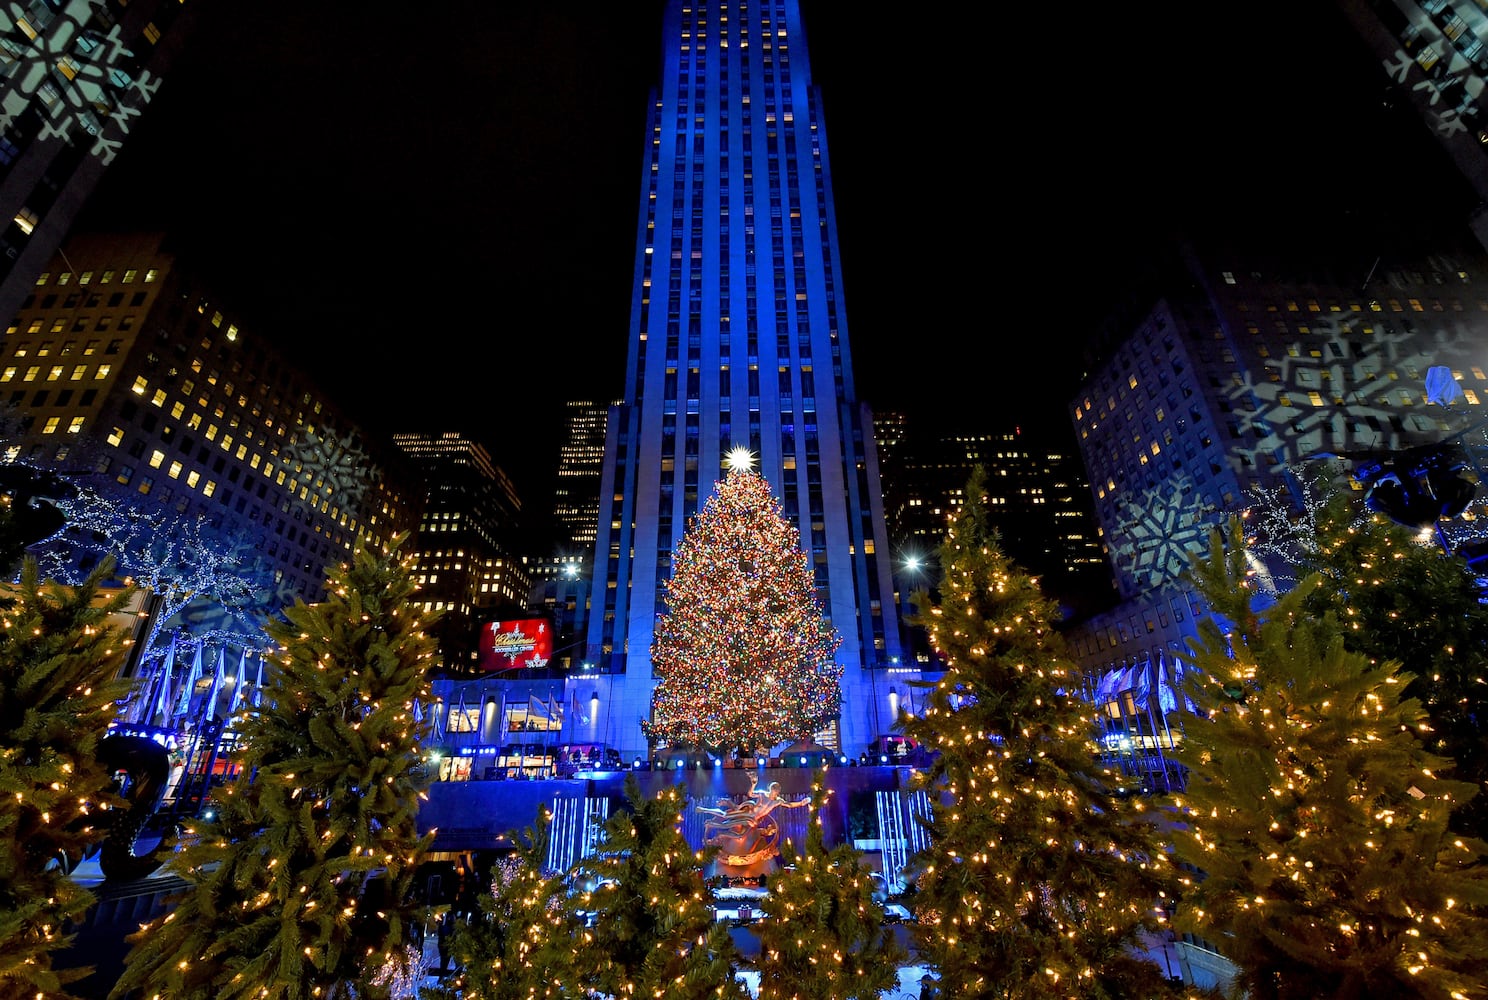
(333, 467)
(76, 66)
(1154, 535)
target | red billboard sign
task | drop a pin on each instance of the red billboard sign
(515, 643)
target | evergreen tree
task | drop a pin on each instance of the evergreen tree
(299, 889)
(58, 695)
(823, 935)
(1404, 601)
(744, 655)
(1316, 818)
(524, 941)
(654, 934)
(1039, 879)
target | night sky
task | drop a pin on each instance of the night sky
(447, 202)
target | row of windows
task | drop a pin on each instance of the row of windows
(105, 276)
(55, 373)
(64, 324)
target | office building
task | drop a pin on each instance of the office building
(1247, 374)
(122, 367)
(466, 565)
(580, 473)
(1433, 55)
(738, 339)
(77, 77)
(1037, 499)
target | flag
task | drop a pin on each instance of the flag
(189, 688)
(237, 695)
(162, 697)
(258, 683)
(210, 706)
(418, 712)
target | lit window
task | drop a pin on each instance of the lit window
(26, 220)
(209, 489)
(78, 371)
(192, 478)
(174, 471)
(140, 385)
(54, 373)
(129, 276)
(146, 484)
(76, 425)
(150, 275)
(8, 374)
(85, 277)
(115, 436)
(156, 458)
(102, 372)
(31, 373)
(51, 425)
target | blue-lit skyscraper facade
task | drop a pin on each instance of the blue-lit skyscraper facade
(738, 338)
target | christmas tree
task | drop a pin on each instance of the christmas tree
(1402, 600)
(58, 694)
(299, 889)
(744, 654)
(523, 944)
(653, 934)
(1039, 879)
(823, 935)
(1314, 815)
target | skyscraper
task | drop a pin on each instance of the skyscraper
(1037, 499)
(465, 562)
(75, 77)
(1248, 374)
(739, 338)
(580, 472)
(1433, 55)
(124, 367)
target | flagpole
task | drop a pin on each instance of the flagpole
(161, 702)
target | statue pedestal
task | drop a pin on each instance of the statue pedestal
(746, 866)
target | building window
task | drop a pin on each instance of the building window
(50, 427)
(76, 425)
